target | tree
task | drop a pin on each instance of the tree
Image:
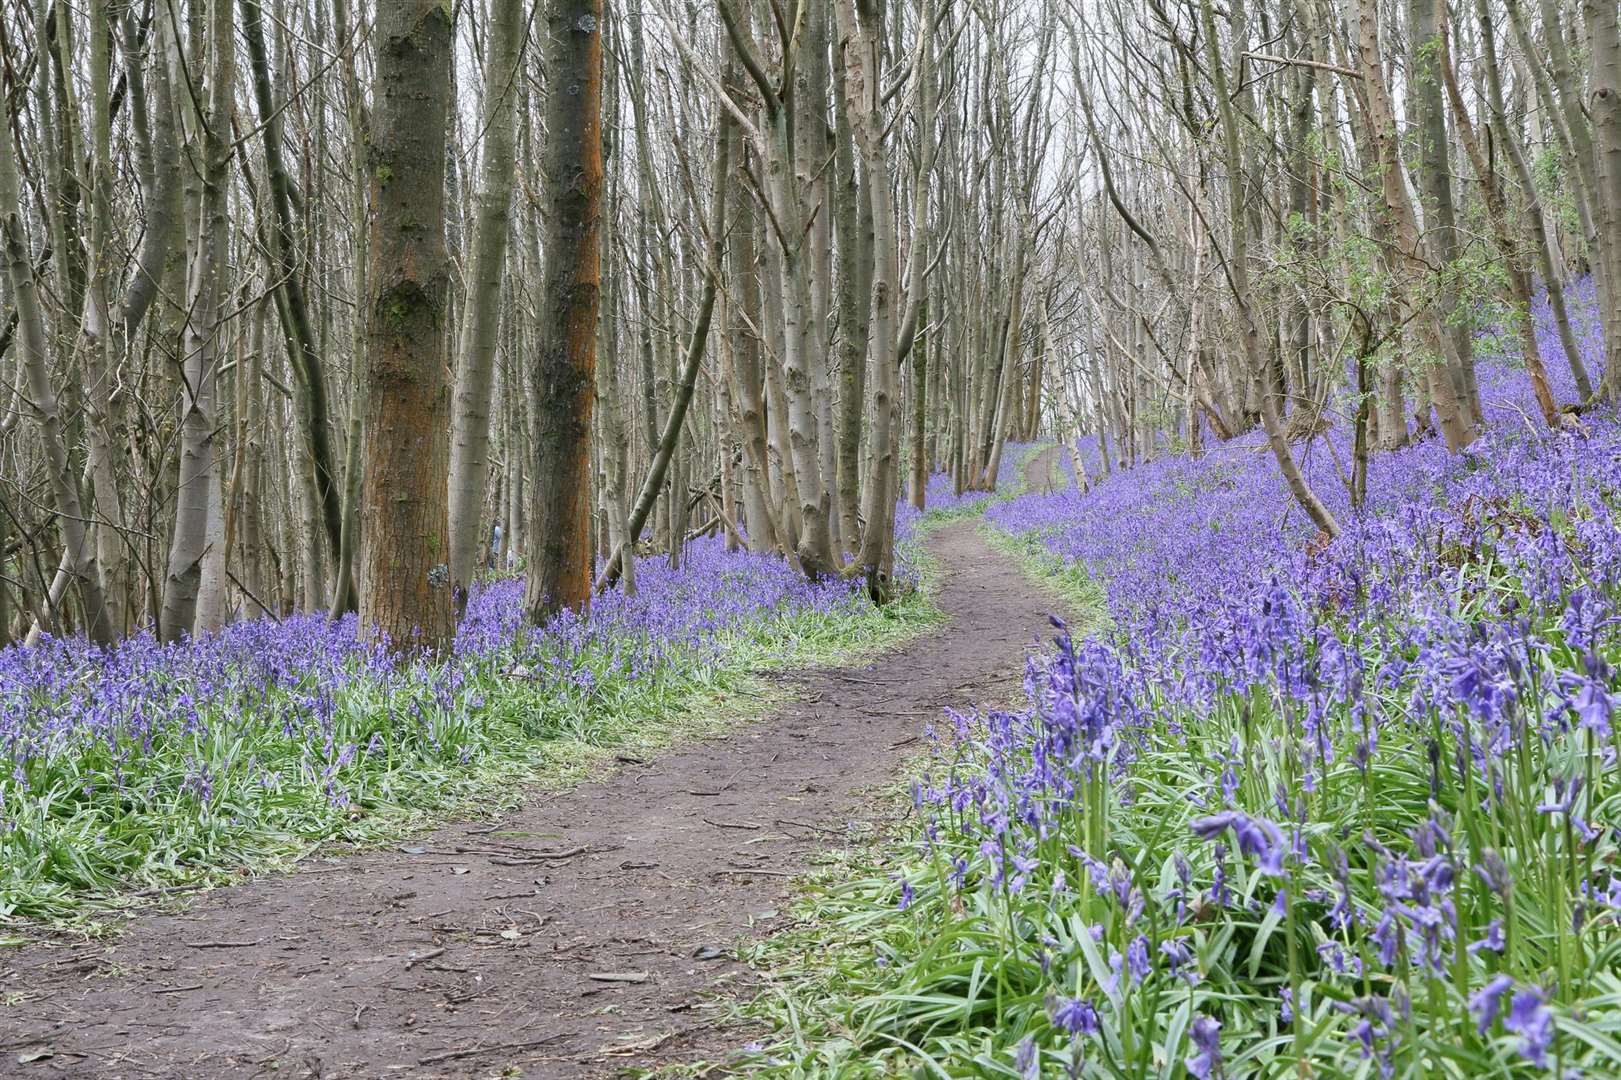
(561, 386)
(475, 355)
(80, 555)
(405, 596)
(198, 490)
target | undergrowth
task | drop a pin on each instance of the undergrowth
(353, 756)
(1343, 810)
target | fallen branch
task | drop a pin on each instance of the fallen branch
(452, 1055)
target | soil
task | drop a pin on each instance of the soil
(580, 936)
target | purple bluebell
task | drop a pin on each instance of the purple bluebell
(1205, 1035)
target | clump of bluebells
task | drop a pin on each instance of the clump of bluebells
(1346, 809)
(144, 763)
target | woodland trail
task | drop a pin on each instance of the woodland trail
(468, 953)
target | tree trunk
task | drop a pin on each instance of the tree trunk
(345, 597)
(1451, 409)
(562, 379)
(1434, 184)
(851, 210)
(79, 555)
(670, 439)
(481, 321)
(1519, 279)
(1547, 263)
(302, 353)
(1604, 28)
(405, 595)
(198, 488)
(748, 392)
(1238, 278)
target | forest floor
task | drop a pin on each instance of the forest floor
(582, 935)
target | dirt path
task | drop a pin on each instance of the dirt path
(576, 937)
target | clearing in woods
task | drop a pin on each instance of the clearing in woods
(579, 935)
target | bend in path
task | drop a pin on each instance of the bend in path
(576, 937)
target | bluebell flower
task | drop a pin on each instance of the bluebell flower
(1531, 1019)
(1076, 1016)
(1205, 1034)
(1026, 1059)
(1488, 1002)
(1493, 941)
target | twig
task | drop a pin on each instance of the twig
(452, 1055)
(1299, 61)
(177, 989)
(749, 825)
(839, 676)
(264, 609)
(541, 857)
(222, 944)
(807, 825)
(730, 780)
(429, 955)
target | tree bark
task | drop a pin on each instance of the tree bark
(405, 595)
(562, 380)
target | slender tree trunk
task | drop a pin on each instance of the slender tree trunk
(854, 292)
(743, 316)
(1238, 271)
(1519, 279)
(475, 360)
(920, 411)
(562, 378)
(1434, 175)
(345, 596)
(198, 488)
(670, 439)
(1604, 29)
(862, 31)
(302, 352)
(1007, 396)
(1450, 409)
(79, 556)
(1547, 263)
